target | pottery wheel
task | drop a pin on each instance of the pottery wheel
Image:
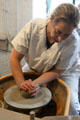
(13, 97)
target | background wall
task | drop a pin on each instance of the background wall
(24, 13)
(14, 14)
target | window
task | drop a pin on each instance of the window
(43, 8)
(77, 2)
(39, 9)
(55, 3)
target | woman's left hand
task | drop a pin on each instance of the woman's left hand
(35, 90)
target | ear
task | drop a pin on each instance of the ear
(51, 18)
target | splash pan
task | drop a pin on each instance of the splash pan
(14, 98)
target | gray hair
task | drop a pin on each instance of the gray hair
(67, 13)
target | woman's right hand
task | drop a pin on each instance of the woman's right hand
(26, 85)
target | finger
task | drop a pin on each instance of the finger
(31, 83)
(35, 94)
(23, 87)
(34, 85)
(28, 85)
(35, 90)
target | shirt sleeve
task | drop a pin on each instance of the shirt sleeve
(21, 41)
(68, 54)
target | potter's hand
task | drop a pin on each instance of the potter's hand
(26, 85)
(35, 90)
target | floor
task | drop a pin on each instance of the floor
(4, 62)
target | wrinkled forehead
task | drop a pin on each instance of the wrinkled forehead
(61, 20)
(63, 27)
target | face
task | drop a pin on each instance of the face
(58, 31)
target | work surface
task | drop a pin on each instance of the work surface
(62, 118)
(10, 115)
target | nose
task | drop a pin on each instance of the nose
(60, 38)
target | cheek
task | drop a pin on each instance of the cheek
(51, 34)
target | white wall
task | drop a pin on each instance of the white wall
(8, 18)
(24, 13)
(14, 14)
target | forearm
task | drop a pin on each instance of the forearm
(15, 59)
(46, 77)
(16, 70)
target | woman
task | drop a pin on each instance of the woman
(50, 47)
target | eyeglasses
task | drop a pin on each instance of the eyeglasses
(60, 33)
